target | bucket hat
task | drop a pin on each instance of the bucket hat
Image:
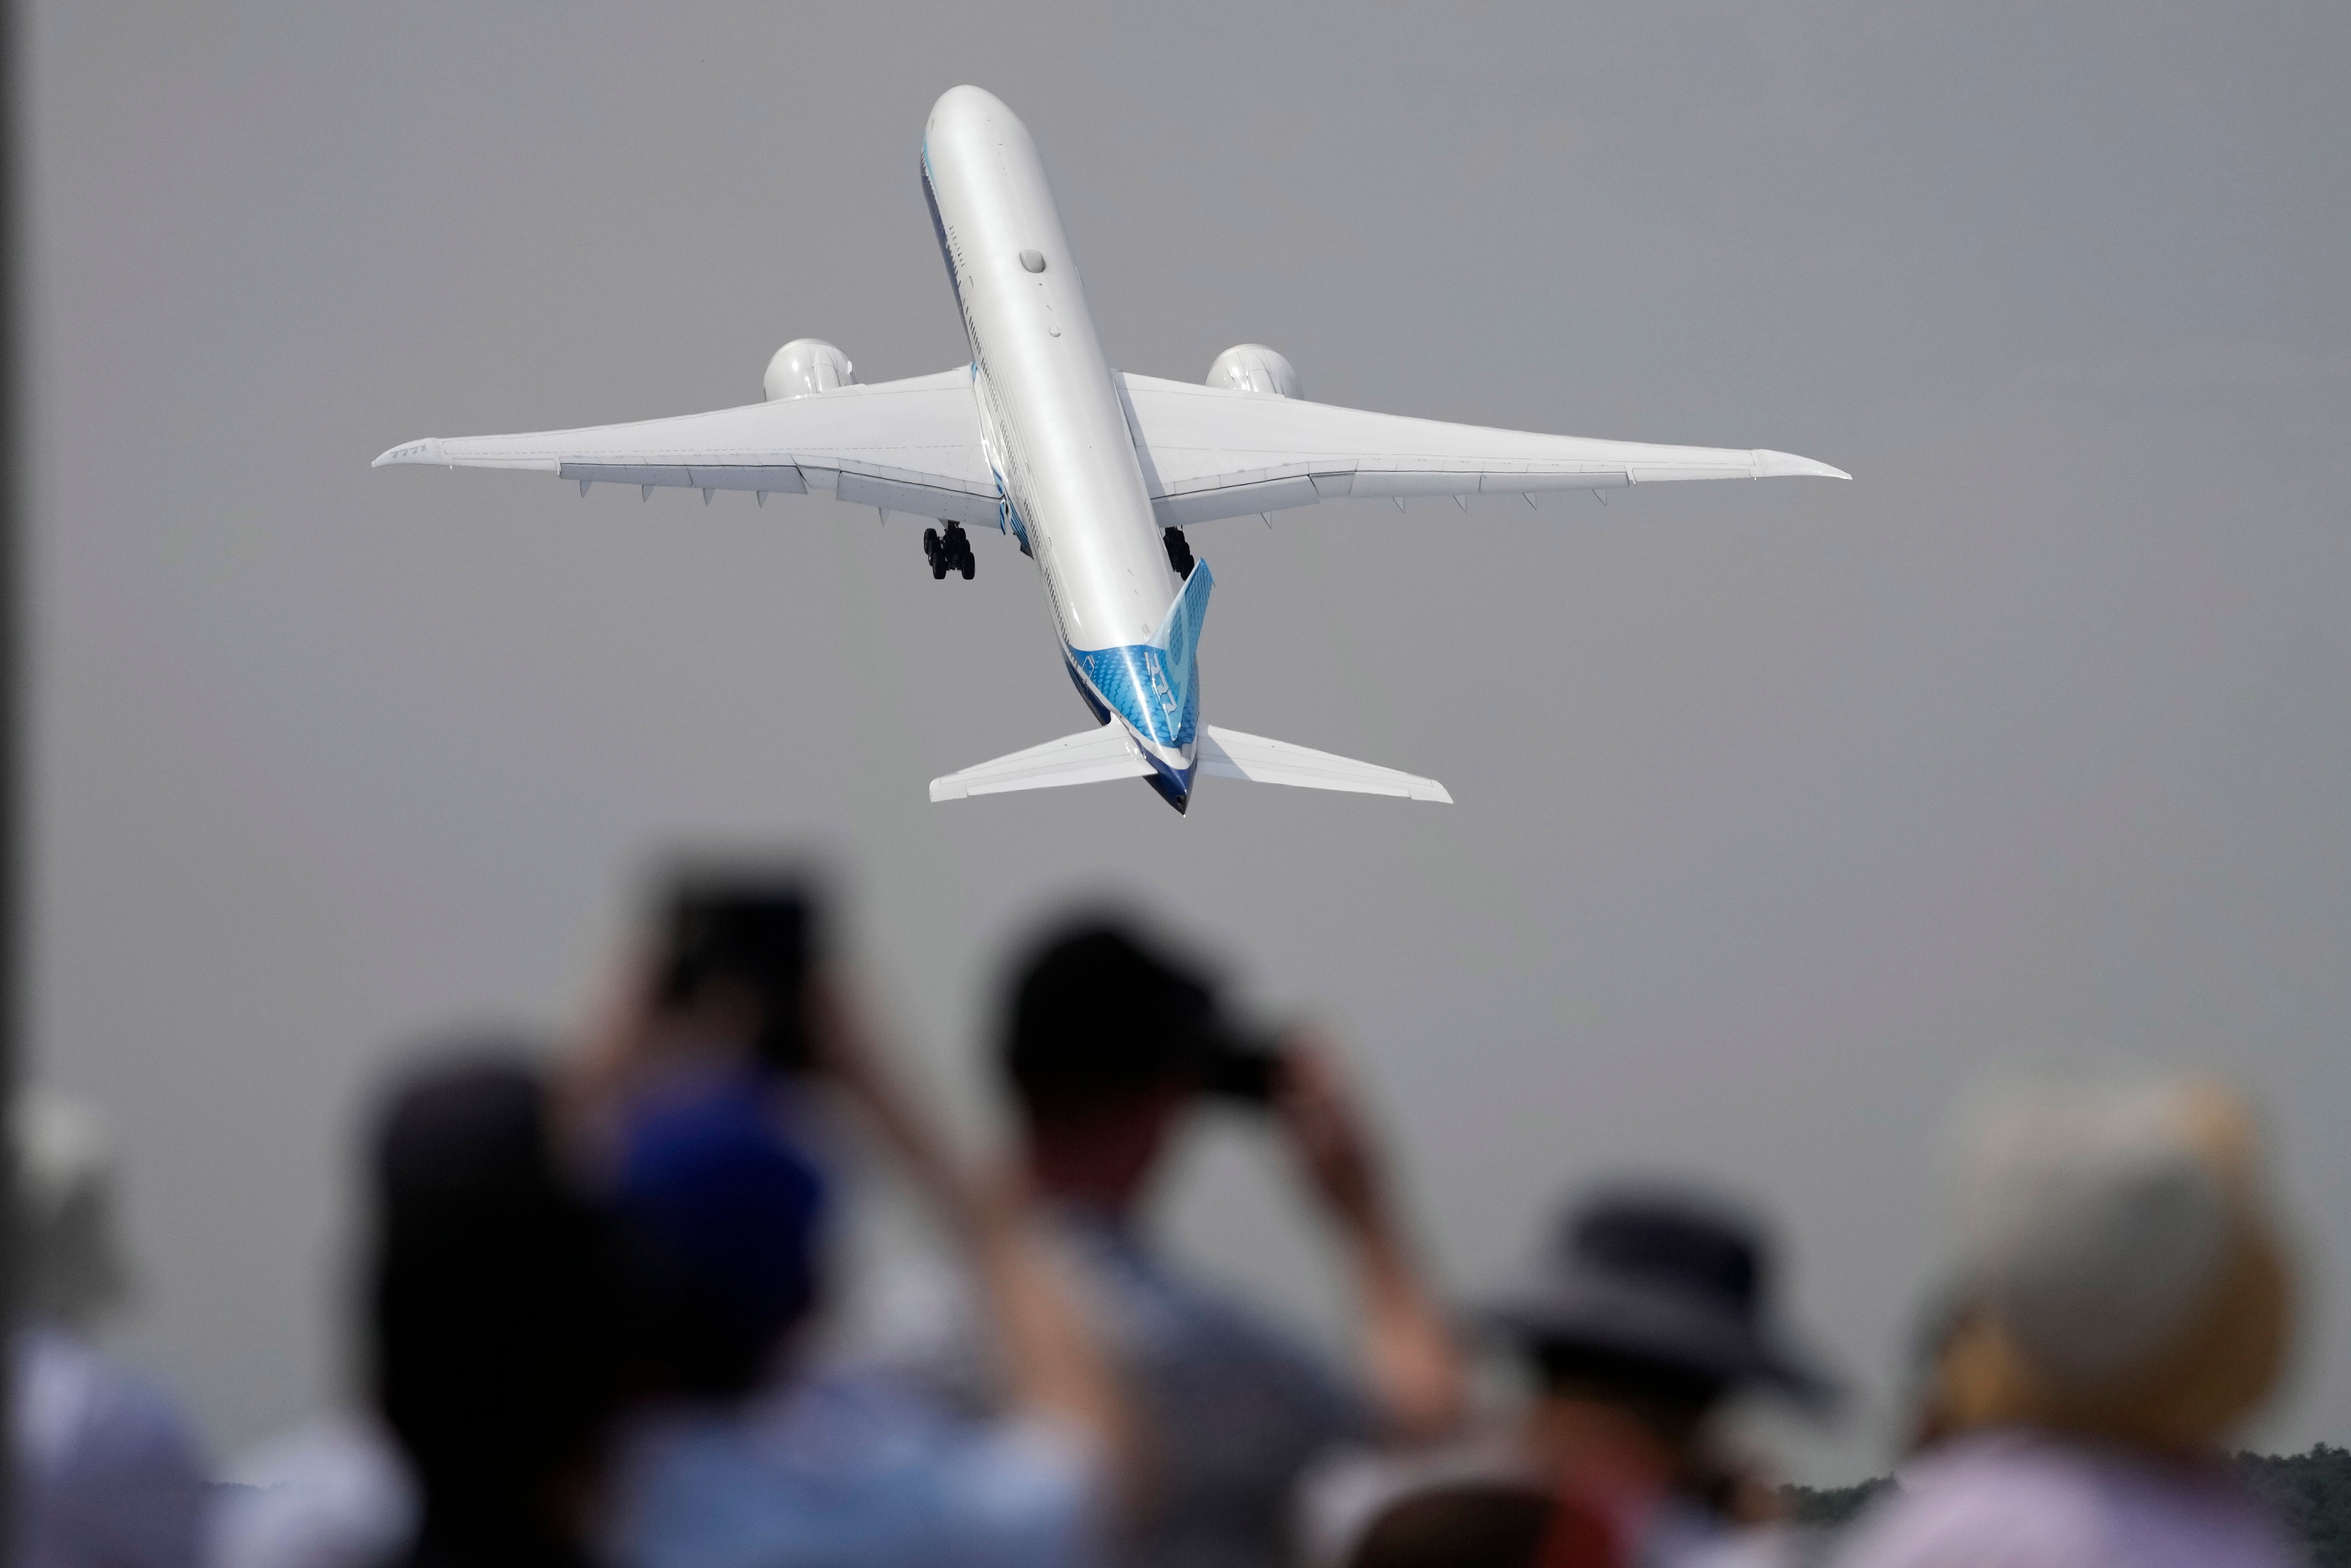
(1664, 1275)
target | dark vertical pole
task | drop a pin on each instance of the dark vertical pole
(12, 708)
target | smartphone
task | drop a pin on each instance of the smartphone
(751, 931)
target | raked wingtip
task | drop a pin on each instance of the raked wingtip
(425, 451)
(1787, 466)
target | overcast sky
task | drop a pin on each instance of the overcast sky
(1783, 809)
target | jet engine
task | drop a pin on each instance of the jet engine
(1253, 367)
(807, 365)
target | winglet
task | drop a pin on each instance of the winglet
(1787, 466)
(428, 450)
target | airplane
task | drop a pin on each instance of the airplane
(1093, 472)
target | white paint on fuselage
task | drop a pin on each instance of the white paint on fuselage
(1049, 414)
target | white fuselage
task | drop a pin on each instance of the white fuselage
(1050, 416)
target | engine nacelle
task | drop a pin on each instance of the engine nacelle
(808, 365)
(1253, 367)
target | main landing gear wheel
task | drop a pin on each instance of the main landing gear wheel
(951, 553)
(1179, 552)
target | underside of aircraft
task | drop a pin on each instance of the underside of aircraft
(1208, 452)
(1138, 460)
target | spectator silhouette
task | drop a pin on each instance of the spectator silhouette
(2126, 1301)
(106, 1472)
(498, 1311)
(1109, 1047)
(701, 1089)
(1648, 1311)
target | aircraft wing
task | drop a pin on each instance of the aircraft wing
(1211, 452)
(1093, 757)
(905, 447)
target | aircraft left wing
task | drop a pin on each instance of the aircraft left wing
(1213, 452)
(1090, 757)
(905, 447)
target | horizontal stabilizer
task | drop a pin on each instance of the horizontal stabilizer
(1088, 758)
(1228, 754)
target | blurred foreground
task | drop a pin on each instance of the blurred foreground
(601, 1325)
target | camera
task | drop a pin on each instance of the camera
(1239, 1064)
(1228, 1059)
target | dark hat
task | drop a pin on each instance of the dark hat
(1662, 1275)
(713, 1184)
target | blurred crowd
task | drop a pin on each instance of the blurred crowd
(598, 1323)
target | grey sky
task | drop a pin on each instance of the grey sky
(1784, 808)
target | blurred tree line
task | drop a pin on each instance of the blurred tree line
(2310, 1492)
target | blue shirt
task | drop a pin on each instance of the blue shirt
(104, 1469)
(1234, 1406)
(854, 1471)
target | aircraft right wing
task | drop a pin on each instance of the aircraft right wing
(1214, 452)
(905, 447)
(1229, 753)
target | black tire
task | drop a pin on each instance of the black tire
(969, 565)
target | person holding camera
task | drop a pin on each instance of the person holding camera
(708, 1101)
(1110, 1046)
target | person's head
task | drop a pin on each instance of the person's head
(726, 1215)
(1653, 1301)
(1105, 1048)
(68, 1239)
(1951, 1318)
(1480, 1524)
(2126, 1279)
(495, 1310)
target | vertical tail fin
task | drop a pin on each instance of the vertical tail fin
(1178, 637)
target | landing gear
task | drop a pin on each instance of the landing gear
(1180, 553)
(950, 553)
